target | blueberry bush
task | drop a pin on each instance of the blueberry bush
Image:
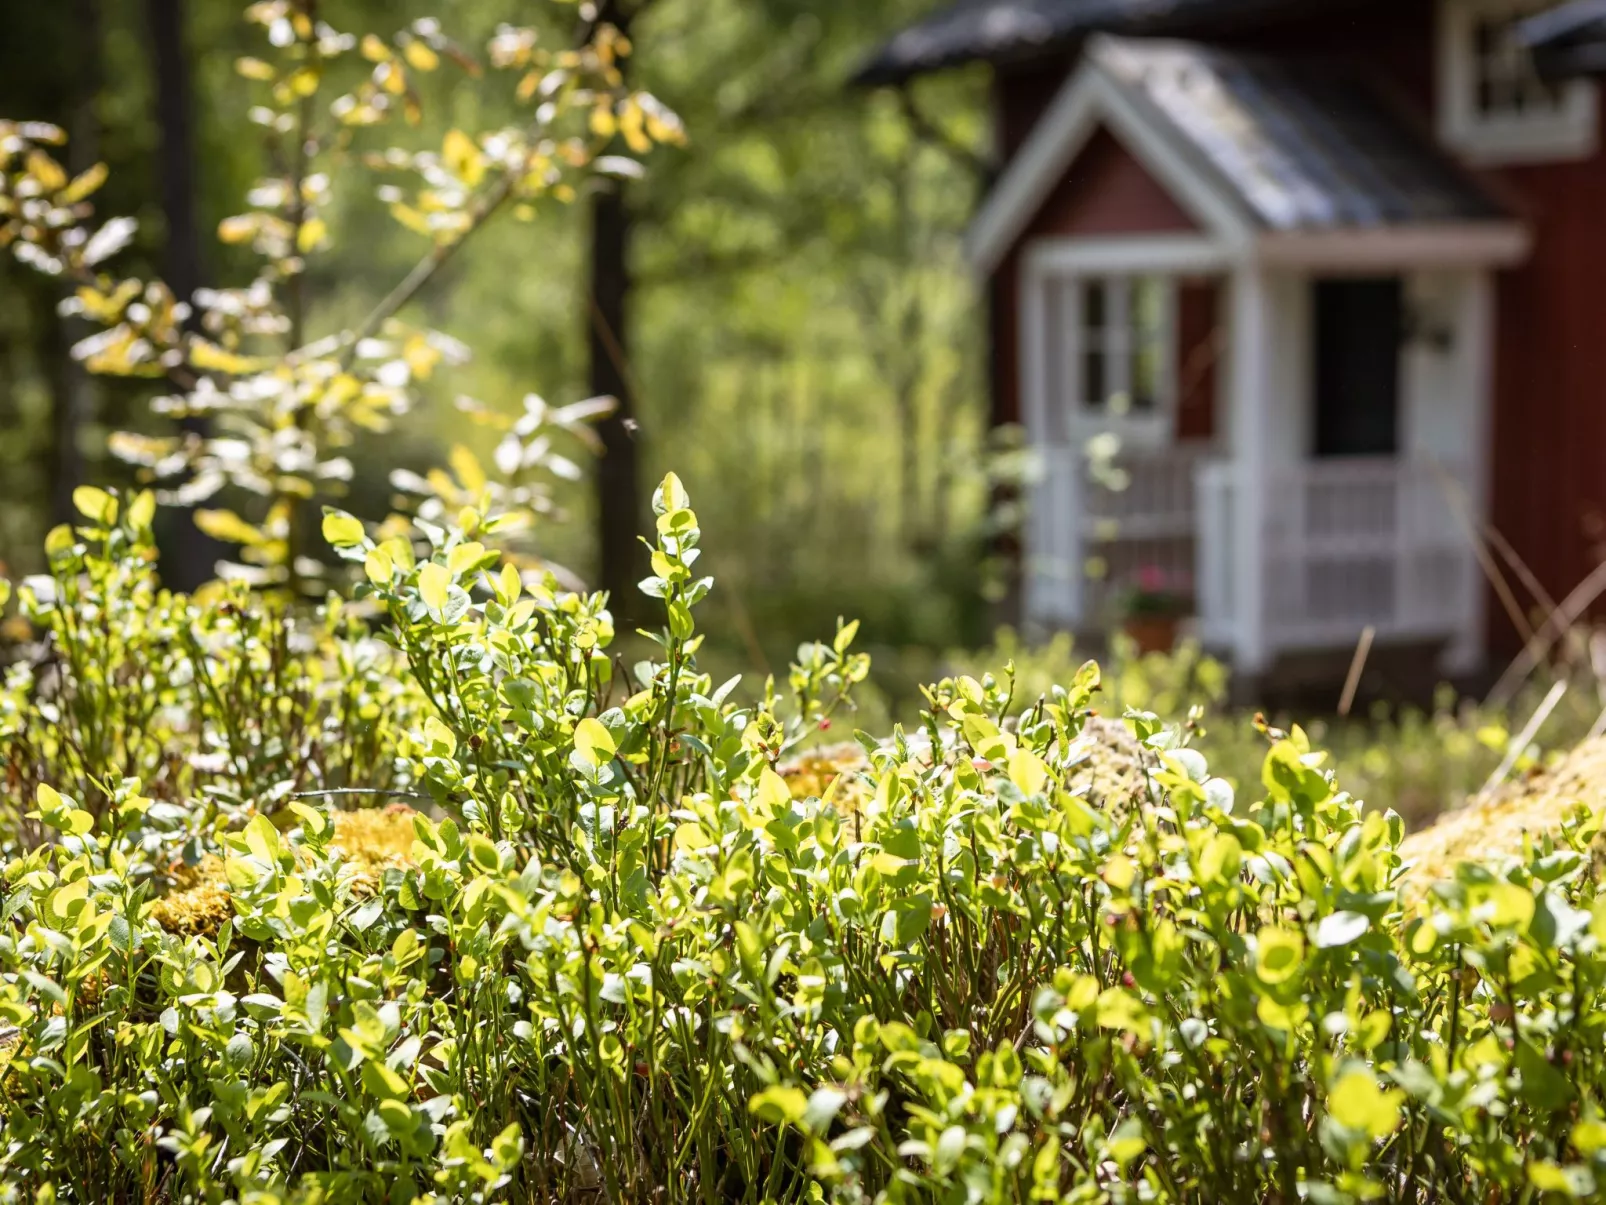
(423, 897)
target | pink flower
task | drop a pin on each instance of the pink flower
(1152, 579)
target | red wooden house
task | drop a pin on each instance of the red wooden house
(1332, 272)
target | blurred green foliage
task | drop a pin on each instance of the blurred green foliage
(804, 341)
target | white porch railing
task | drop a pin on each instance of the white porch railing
(1079, 518)
(1346, 543)
(1142, 521)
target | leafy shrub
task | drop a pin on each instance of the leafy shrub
(1418, 761)
(618, 958)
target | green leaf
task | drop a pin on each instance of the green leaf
(781, 1104)
(483, 852)
(593, 742)
(382, 1082)
(433, 583)
(1541, 1082)
(95, 504)
(1357, 1102)
(340, 529)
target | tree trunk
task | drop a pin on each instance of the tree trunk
(191, 554)
(72, 389)
(619, 508)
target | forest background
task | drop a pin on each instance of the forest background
(781, 304)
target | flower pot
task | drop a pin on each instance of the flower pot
(1153, 633)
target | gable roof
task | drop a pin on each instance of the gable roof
(1568, 41)
(1254, 146)
(1003, 30)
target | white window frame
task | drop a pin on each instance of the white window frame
(1150, 428)
(1570, 132)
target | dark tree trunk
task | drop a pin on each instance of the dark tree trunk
(71, 388)
(621, 561)
(192, 554)
(619, 508)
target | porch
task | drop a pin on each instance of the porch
(1342, 545)
(1336, 485)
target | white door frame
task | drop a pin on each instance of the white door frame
(1054, 545)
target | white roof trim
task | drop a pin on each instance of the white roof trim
(1090, 98)
(1463, 244)
(1087, 100)
(1126, 254)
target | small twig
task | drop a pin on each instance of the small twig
(426, 268)
(1363, 648)
(1562, 618)
(1598, 728)
(1457, 499)
(1526, 736)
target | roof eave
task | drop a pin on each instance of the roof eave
(1417, 245)
(1567, 42)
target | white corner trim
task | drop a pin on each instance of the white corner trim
(1482, 244)
(1086, 100)
(1569, 133)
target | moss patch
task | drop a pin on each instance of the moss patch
(372, 841)
(1493, 827)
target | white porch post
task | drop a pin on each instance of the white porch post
(1050, 581)
(1475, 323)
(1250, 374)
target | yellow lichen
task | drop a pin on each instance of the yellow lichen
(199, 902)
(1108, 771)
(369, 841)
(376, 839)
(812, 774)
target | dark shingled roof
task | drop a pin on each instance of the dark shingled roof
(1568, 41)
(1002, 30)
(1305, 146)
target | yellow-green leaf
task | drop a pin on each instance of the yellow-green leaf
(378, 566)
(433, 581)
(1027, 771)
(1358, 1103)
(142, 510)
(772, 790)
(227, 526)
(421, 57)
(342, 530)
(779, 1104)
(462, 157)
(95, 504)
(312, 233)
(593, 741)
(262, 839)
(1278, 954)
(464, 557)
